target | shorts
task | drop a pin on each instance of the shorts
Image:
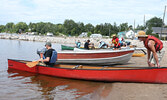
(160, 56)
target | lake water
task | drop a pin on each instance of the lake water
(19, 85)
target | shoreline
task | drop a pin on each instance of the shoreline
(53, 39)
(66, 40)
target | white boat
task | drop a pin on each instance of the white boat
(102, 56)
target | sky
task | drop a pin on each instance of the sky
(86, 11)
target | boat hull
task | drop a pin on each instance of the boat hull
(103, 57)
(64, 47)
(147, 75)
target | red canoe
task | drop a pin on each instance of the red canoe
(100, 73)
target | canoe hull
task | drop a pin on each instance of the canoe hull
(103, 57)
(147, 75)
(64, 47)
(100, 61)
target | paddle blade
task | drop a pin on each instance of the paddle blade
(32, 64)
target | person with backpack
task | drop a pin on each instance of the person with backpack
(49, 57)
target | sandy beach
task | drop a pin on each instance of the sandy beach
(117, 90)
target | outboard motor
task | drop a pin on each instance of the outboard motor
(41, 51)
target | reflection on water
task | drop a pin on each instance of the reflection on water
(60, 88)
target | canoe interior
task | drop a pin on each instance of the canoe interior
(89, 67)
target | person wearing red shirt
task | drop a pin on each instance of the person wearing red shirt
(116, 43)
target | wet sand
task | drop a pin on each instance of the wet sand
(133, 91)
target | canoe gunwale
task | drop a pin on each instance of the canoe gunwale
(102, 67)
(96, 51)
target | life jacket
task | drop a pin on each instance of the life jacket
(158, 44)
(116, 41)
(78, 44)
(101, 44)
(53, 57)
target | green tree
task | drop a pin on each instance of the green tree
(2, 28)
(149, 31)
(114, 29)
(21, 26)
(40, 28)
(140, 27)
(89, 28)
(10, 27)
(107, 27)
(97, 29)
(70, 27)
(59, 28)
(123, 27)
(32, 27)
(131, 27)
(89, 33)
(154, 22)
(80, 28)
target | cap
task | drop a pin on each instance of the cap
(48, 43)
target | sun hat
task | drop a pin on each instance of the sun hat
(48, 43)
(141, 34)
(114, 35)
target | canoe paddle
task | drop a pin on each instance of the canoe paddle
(32, 64)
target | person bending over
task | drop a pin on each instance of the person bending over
(154, 48)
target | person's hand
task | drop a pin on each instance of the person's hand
(41, 60)
(158, 65)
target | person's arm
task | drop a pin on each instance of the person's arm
(117, 40)
(41, 55)
(151, 44)
(47, 59)
(48, 55)
(148, 57)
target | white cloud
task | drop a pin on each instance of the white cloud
(87, 11)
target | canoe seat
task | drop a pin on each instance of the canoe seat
(77, 66)
(104, 67)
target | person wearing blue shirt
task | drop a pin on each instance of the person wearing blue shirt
(78, 44)
(103, 45)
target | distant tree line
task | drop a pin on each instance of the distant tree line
(72, 28)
